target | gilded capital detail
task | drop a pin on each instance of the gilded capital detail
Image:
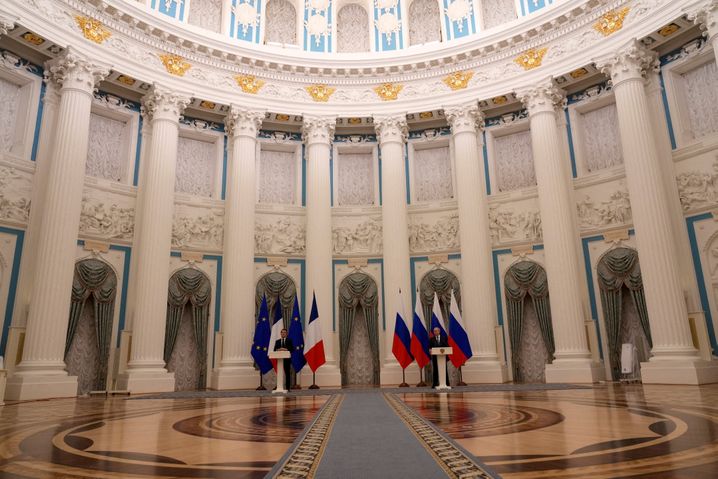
(464, 118)
(630, 63)
(73, 71)
(391, 129)
(318, 129)
(545, 97)
(242, 122)
(163, 104)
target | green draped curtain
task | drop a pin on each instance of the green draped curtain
(358, 289)
(189, 285)
(276, 285)
(527, 277)
(94, 277)
(618, 268)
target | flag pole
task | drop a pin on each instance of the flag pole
(421, 384)
(461, 378)
(314, 381)
(261, 383)
(296, 384)
(403, 379)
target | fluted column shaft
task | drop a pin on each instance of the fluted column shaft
(477, 277)
(153, 242)
(556, 207)
(666, 306)
(318, 133)
(238, 254)
(392, 133)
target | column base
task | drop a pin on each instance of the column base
(235, 377)
(390, 375)
(683, 371)
(146, 381)
(484, 372)
(327, 376)
(29, 386)
(574, 371)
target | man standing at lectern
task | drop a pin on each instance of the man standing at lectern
(437, 341)
(284, 344)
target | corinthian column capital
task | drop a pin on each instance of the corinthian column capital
(632, 62)
(705, 15)
(6, 24)
(163, 104)
(464, 118)
(243, 122)
(541, 98)
(72, 71)
(318, 129)
(391, 128)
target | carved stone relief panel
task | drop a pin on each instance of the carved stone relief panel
(514, 161)
(498, 12)
(595, 212)
(279, 234)
(198, 228)
(515, 222)
(432, 174)
(697, 187)
(15, 193)
(424, 22)
(434, 232)
(601, 138)
(352, 29)
(206, 14)
(10, 94)
(107, 143)
(107, 216)
(701, 93)
(357, 235)
(355, 178)
(281, 22)
(277, 177)
(196, 163)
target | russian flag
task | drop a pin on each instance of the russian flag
(277, 326)
(401, 346)
(419, 336)
(458, 339)
(314, 345)
(437, 320)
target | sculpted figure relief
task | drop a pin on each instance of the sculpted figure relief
(698, 188)
(365, 237)
(440, 236)
(97, 219)
(14, 205)
(617, 210)
(198, 231)
(279, 237)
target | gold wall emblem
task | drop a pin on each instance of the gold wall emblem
(249, 83)
(354, 121)
(129, 81)
(578, 73)
(175, 64)
(388, 91)
(92, 29)
(531, 59)
(500, 100)
(207, 104)
(611, 22)
(320, 92)
(669, 30)
(32, 38)
(425, 115)
(458, 80)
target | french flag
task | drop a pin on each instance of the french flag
(437, 320)
(419, 336)
(401, 346)
(458, 339)
(313, 344)
(277, 326)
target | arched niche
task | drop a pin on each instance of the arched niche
(359, 330)
(281, 22)
(625, 316)
(424, 22)
(529, 322)
(353, 32)
(89, 330)
(189, 296)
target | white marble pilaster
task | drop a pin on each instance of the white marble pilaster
(477, 277)
(572, 361)
(705, 14)
(146, 369)
(317, 133)
(236, 370)
(674, 359)
(41, 373)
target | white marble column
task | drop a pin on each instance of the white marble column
(41, 373)
(318, 133)
(236, 370)
(674, 359)
(477, 276)
(705, 14)
(572, 361)
(392, 133)
(146, 369)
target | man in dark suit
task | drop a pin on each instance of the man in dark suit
(285, 344)
(437, 341)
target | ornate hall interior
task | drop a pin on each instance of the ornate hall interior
(543, 173)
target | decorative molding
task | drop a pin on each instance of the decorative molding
(249, 83)
(531, 59)
(320, 92)
(388, 91)
(458, 80)
(246, 15)
(174, 64)
(92, 29)
(458, 11)
(6, 25)
(611, 22)
(705, 15)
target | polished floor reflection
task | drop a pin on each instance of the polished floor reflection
(605, 432)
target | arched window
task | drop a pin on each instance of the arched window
(424, 22)
(352, 29)
(281, 23)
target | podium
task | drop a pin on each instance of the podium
(280, 356)
(441, 354)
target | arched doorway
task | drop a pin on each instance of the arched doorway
(530, 328)
(359, 330)
(442, 282)
(188, 299)
(625, 315)
(276, 286)
(89, 331)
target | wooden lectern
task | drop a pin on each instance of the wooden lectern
(441, 354)
(280, 356)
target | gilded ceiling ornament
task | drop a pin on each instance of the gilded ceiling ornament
(388, 91)
(175, 64)
(320, 92)
(92, 29)
(611, 22)
(33, 38)
(531, 59)
(129, 81)
(249, 83)
(459, 80)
